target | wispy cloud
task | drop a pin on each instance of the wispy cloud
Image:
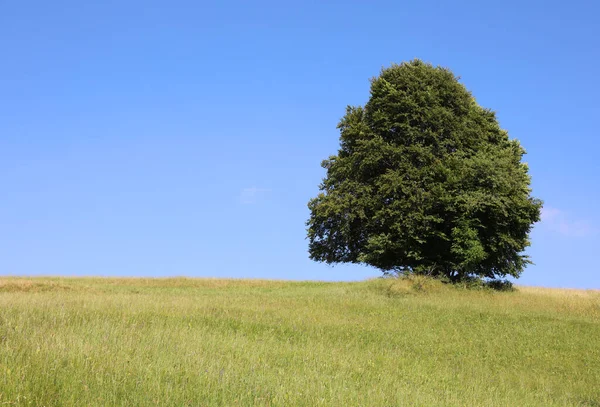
(252, 195)
(560, 222)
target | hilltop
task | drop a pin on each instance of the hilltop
(209, 342)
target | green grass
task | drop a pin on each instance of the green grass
(202, 342)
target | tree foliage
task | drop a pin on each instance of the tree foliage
(425, 181)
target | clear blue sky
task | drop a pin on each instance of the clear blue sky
(147, 138)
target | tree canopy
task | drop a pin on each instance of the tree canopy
(425, 181)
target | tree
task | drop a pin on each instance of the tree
(425, 181)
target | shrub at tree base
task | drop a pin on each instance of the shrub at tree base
(425, 182)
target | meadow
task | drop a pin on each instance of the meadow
(215, 342)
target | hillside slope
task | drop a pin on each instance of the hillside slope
(125, 342)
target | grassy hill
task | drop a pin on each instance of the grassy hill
(204, 342)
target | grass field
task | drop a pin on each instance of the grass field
(203, 342)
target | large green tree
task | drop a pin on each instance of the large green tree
(425, 181)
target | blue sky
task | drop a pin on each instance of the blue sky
(147, 138)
